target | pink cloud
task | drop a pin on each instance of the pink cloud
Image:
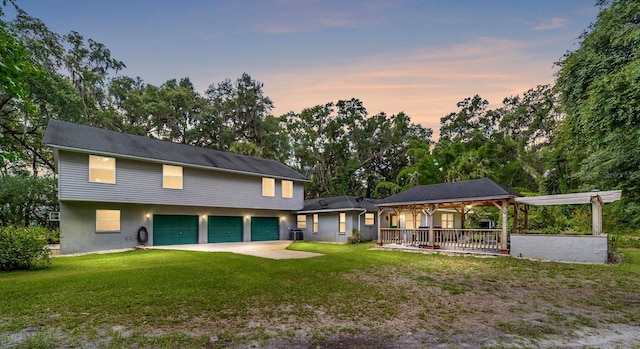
(426, 84)
(553, 23)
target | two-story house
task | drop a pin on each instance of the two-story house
(118, 190)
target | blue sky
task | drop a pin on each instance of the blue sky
(420, 57)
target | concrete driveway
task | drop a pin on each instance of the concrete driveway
(264, 249)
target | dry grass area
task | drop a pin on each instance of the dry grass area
(351, 298)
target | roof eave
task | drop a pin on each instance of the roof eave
(354, 209)
(448, 201)
(168, 162)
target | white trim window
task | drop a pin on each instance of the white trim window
(107, 221)
(268, 187)
(369, 219)
(315, 223)
(410, 223)
(102, 169)
(343, 223)
(287, 189)
(172, 177)
(301, 221)
(448, 221)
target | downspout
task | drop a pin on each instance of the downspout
(364, 210)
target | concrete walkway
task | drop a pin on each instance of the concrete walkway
(265, 249)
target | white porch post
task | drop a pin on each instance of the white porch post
(379, 242)
(431, 210)
(596, 215)
(503, 234)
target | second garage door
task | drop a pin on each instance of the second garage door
(264, 228)
(224, 229)
(175, 230)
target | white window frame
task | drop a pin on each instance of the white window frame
(107, 221)
(369, 219)
(342, 223)
(410, 223)
(447, 220)
(104, 164)
(315, 223)
(301, 221)
(172, 177)
(268, 187)
(287, 189)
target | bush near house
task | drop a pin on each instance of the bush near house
(24, 248)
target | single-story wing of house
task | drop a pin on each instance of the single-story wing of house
(119, 190)
(333, 219)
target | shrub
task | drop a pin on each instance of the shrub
(23, 248)
(355, 236)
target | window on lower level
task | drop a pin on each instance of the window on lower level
(107, 221)
(171, 177)
(301, 221)
(268, 187)
(315, 223)
(102, 169)
(411, 221)
(369, 219)
(343, 223)
(447, 220)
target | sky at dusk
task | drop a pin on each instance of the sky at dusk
(420, 57)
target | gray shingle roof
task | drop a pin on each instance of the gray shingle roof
(70, 136)
(338, 203)
(476, 189)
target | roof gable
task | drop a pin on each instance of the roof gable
(88, 139)
(476, 189)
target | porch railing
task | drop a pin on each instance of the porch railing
(479, 239)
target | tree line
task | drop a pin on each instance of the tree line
(582, 133)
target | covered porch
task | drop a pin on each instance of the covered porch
(458, 197)
(462, 240)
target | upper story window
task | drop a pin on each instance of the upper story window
(102, 169)
(369, 219)
(287, 189)
(343, 223)
(302, 221)
(447, 220)
(107, 221)
(268, 187)
(171, 177)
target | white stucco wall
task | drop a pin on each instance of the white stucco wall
(565, 248)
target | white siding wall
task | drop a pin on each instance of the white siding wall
(141, 182)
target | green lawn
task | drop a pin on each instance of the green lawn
(351, 296)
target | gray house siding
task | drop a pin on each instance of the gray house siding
(329, 226)
(141, 182)
(78, 223)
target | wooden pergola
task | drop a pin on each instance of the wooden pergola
(595, 198)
